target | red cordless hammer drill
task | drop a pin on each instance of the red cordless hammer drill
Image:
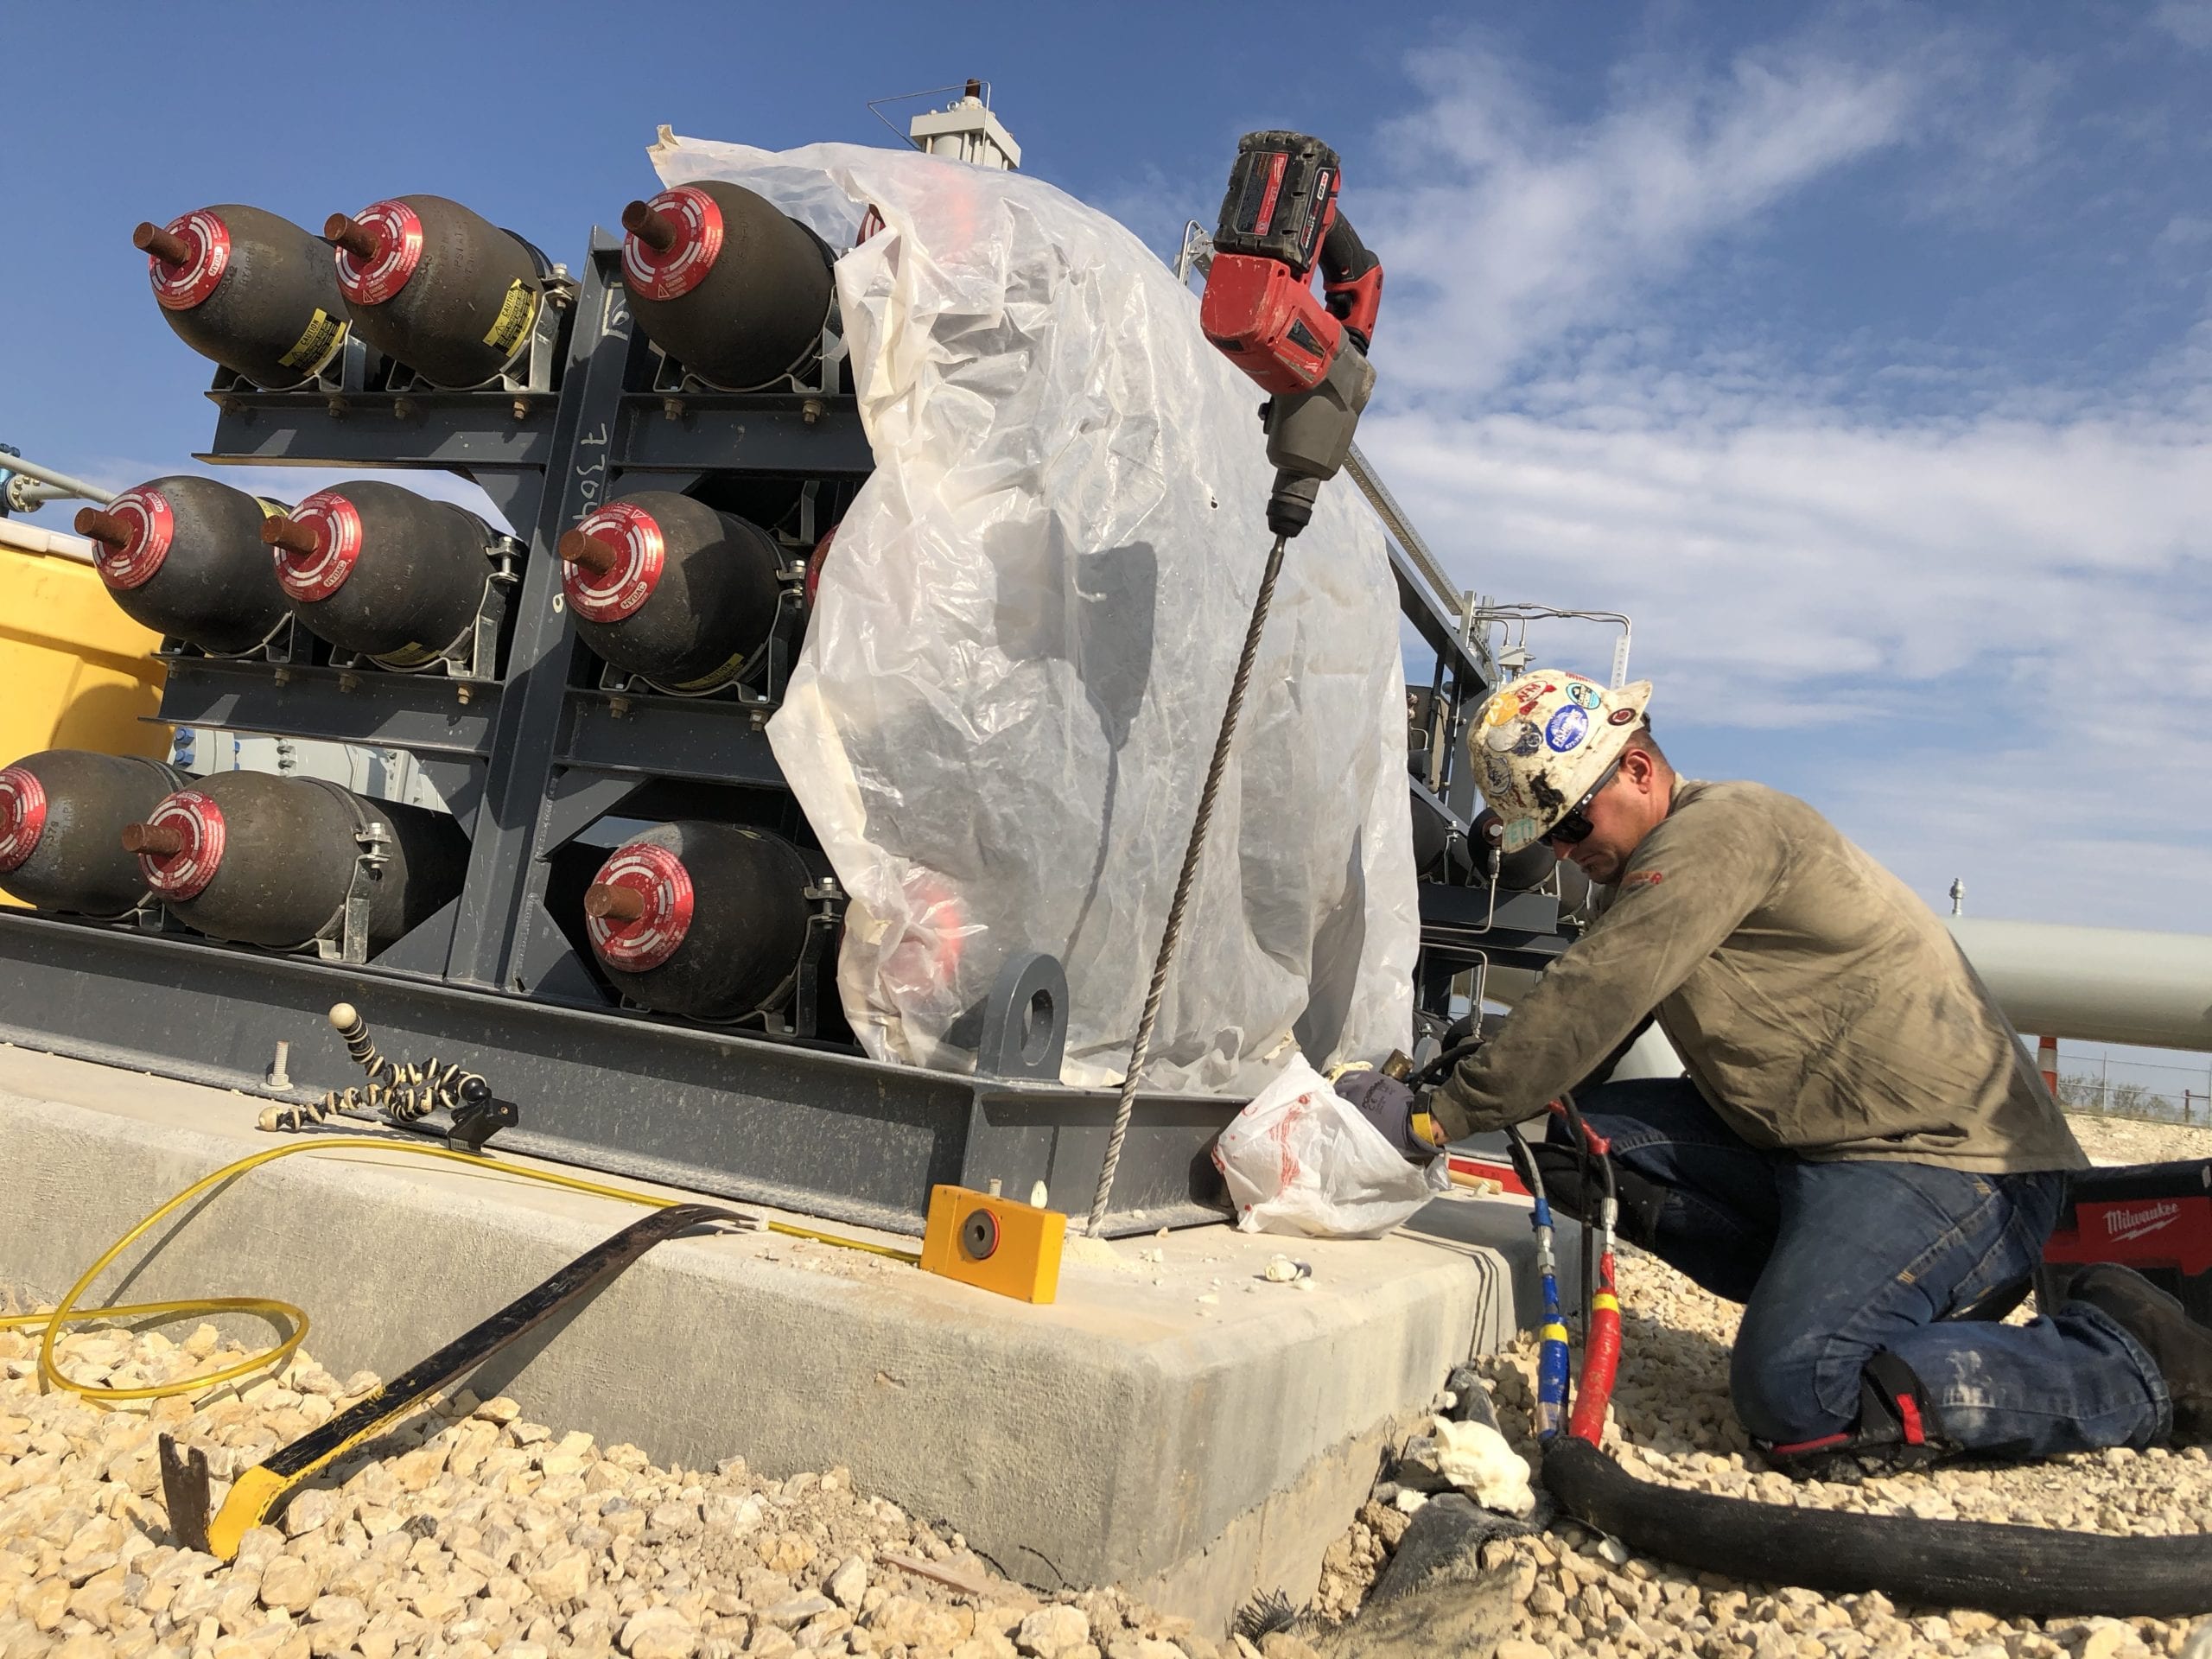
(1279, 216)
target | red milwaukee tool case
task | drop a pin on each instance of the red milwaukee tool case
(2156, 1219)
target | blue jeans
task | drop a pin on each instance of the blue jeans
(1834, 1261)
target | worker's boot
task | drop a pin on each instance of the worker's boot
(2181, 1348)
(1897, 1429)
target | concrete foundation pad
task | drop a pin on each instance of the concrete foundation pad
(1174, 1424)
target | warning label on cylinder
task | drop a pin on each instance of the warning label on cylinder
(316, 347)
(517, 312)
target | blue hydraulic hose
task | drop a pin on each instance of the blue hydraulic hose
(1551, 1361)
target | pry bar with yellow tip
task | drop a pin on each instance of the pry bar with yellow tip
(260, 1492)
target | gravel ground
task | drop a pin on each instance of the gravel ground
(477, 1533)
(2131, 1140)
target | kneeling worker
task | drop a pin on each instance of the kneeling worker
(1861, 1150)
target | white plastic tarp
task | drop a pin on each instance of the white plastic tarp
(1002, 716)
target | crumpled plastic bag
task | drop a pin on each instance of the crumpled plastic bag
(1301, 1159)
(1001, 718)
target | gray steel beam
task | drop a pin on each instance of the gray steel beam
(421, 712)
(751, 431)
(503, 876)
(716, 1111)
(455, 431)
(711, 740)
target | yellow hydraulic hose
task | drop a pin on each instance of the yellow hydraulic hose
(275, 1311)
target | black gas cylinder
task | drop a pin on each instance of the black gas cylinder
(703, 919)
(668, 588)
(255, 292)
(62, 813)
(378, 569)
(734, 289)
(437, 286)
(258, 859)
(184, 555)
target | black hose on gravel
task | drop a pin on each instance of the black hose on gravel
(2013, 1572)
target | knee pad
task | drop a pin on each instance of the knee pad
(1897, 1429)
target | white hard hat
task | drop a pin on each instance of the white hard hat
(1541, 743)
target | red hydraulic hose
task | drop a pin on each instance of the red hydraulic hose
(1601, 1356)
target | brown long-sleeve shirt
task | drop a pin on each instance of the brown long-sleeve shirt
(1818, 1005)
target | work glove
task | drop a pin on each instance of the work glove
(1454, 1119)
(1392, 1107)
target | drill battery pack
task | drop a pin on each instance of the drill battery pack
(2156, 1219)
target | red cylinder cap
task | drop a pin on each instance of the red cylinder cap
(22, 816)
(150, 526)
(399, 250)
(816, 560)
(199, 822)
(336, 523)
(179, 287)
(670, 273)
(927, 954)
(617, 592)
(656, 875)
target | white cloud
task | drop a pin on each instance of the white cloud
(2188, 22)
(1977, 633)
(1521, 229)
(1793, 557)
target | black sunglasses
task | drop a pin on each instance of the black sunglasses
(1574, 828)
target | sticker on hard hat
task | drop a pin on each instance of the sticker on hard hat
(1500, 709)
(1585, 694)
(1620, 717)
(1503, 740)
(1566, 729)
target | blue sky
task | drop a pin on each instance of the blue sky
(1860, 353)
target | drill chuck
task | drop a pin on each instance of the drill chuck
(1309, 438)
